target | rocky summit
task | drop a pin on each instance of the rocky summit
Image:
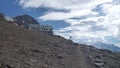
(24, 20)
(23, 48)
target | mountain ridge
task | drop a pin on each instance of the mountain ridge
(24, 22)
(22, 48)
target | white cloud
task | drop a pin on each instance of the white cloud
(92, 28)
(82, 28)
(61, 4)
(57, 4)
(66, 15)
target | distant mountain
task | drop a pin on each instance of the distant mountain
(111, 47)
(24, 20)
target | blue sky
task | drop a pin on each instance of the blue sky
(87, 21)
(12, 8)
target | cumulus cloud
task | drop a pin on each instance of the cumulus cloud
(93, 27)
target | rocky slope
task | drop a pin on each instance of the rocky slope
(22, 48)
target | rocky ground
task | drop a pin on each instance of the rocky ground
(22, 48)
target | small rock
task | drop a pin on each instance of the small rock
(44, 66)
(60, 56)
(99, 64)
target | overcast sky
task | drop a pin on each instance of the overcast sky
(87, 21)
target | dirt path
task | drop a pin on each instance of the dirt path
(79, 61)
